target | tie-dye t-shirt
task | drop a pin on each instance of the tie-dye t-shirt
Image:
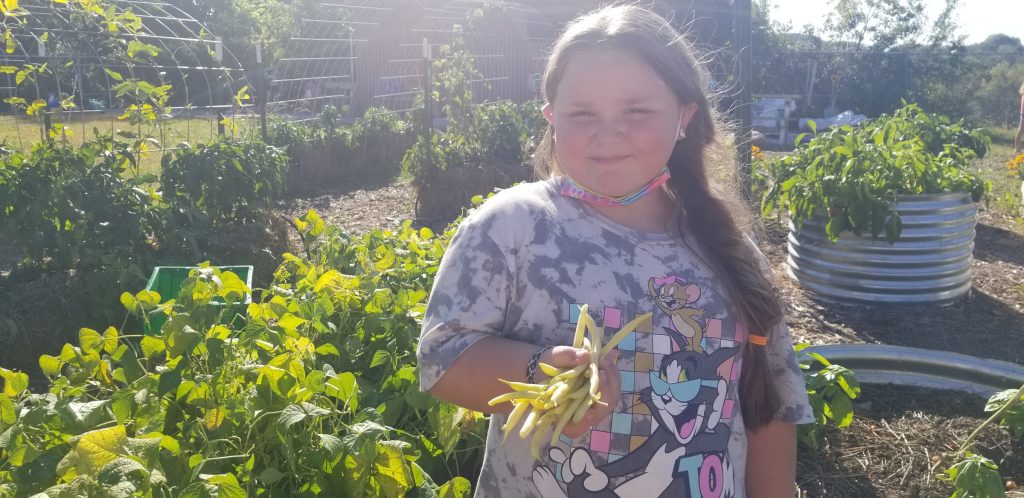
(521, 267)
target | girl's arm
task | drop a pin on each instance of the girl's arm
(472, 379)
(771, 461)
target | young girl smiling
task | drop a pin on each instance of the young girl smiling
(704, 401)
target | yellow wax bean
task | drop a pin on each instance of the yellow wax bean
(595, 379)
(511, 396)
(581, 325)
(624, 331)
(581, 410)
(513, 418)
(564, 419)
(582, 392)
(538, 436)
(570, 374)
(591, 324)
(561, 394)
(549, 370)
(522, 386)
(528, 424)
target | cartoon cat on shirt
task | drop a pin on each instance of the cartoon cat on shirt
(688, 426)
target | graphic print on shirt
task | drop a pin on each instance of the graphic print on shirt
(683, 404)
(672, 297)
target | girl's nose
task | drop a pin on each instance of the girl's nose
(609, 128)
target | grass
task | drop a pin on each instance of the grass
(22, 132)
(1005, 196)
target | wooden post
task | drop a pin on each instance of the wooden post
(742, 27)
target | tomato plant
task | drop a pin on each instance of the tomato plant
(852, 175)
(831, 390)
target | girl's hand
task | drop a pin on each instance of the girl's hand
(567, 357)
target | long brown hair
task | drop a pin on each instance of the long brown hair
(705, 210)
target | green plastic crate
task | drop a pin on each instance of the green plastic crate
(167, 280)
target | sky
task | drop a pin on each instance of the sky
(975, 18)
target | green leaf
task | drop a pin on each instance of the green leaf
(332, 444)
(444, 423)
(116, 76)
(976, 477)
(842, 411)
(169, 381)
(130, 303)
(290, 323)
(270, 475)
(15, 383)
(110, 338)
(122, 471)
(344, 387)
(91, 451)
(84, 415)
(8, 412)
(121, 404)
(293, 414)
(50, 365)
(136, 47)
(330, 278)
(393, 473)
(380, 357)
(327, 349)
(458, 487)
(36, 105)
(227, 485)
(152, 346)
(199, 489)
(90, 340)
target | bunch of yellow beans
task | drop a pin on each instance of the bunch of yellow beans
(567, 395)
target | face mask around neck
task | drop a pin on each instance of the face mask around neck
(572, 189)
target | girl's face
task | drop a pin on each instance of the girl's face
(615, 121)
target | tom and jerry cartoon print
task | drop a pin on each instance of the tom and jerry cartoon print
(669, 435)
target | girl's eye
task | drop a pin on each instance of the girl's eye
(581, 114)
(639, 111)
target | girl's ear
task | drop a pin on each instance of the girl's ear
(688, 112)
(549, 114)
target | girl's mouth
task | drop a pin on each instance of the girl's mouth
(608, 159)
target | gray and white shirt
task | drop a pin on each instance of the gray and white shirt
(521, 267)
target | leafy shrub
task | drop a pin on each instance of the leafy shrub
(502, 132)
(326, 153)
(377, 143)
(831, 390)
(224, 181)
(75, 208)
(975, 475)
(315, 393)
(853, 175)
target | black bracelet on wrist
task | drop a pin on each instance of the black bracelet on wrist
(531, 366)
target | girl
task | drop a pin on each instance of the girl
(703, 401)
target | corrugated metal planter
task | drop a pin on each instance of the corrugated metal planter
(930, 263)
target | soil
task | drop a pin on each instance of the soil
(896, 443)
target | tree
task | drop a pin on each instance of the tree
(997, 97)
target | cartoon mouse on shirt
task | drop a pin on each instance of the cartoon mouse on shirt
(686, 397)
